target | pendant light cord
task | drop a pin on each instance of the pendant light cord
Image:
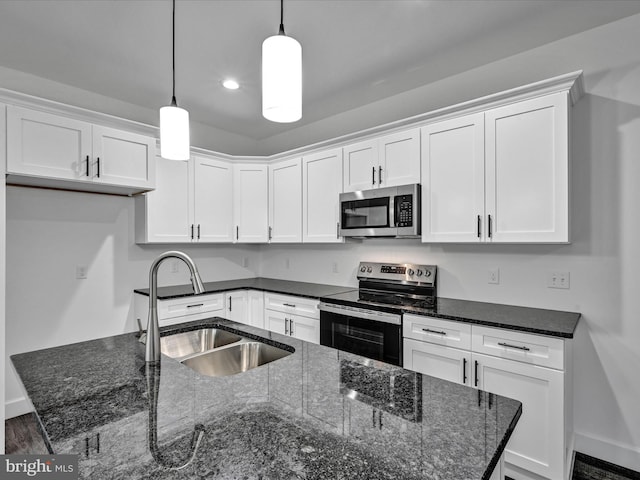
(281, 31)
(173, 54)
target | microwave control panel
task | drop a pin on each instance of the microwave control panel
(404, 210)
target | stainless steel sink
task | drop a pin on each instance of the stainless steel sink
(235, 358)
(187, 344)
(217, 353)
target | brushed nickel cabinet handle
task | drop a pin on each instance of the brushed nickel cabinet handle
(380, 175)
(439, 332)
(373, 175)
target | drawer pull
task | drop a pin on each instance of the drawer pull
(519, 347)
(439, 332)
(464, 371)
(195, 305)
(289, 305)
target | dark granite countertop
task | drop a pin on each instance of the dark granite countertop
(540, 321)
(286, 287)
(318, 413)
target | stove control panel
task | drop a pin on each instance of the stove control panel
(404, 272)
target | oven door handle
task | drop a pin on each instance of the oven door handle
(374, 315)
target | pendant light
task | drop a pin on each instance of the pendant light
(281, 77)
(174, 121)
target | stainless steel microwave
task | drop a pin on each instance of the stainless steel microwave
(381, 212)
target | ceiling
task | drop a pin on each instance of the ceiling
(354, 52)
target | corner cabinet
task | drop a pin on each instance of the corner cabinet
(382, 162)
(190, 203)
(321, 188)
(534, 369)
(285, 201)
(44, 149)
(250, 203)
(498, 176)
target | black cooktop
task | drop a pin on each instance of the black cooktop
(380, 301)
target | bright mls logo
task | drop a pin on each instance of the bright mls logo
(51, 467)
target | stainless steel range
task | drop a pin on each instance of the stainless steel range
(368, 321)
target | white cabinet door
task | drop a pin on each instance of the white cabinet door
(527, 170)
(453, 180)
(399, 159)
(165, 215)
(277, 322)
(255, 308)
(250, 203)
(321, 187)
(438, 361)
(236, 306)
(123, 158)
(360, 166)
(537, 444)
(213, 195)
(285, 201)
(47, 145)
(305, 328)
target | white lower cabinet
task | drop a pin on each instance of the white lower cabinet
(533, 369)
(296, 317)
(235, 306)
(179, 310)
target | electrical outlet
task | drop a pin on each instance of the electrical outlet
(81, 272)
(335, 267)
(558, 279)
(245, 262)
(494, 276)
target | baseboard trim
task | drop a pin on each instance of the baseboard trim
(17, 407)
(626, 456)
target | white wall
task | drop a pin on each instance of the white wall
(603, 259)
(49, 233)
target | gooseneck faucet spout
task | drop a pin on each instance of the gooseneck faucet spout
(152, 354)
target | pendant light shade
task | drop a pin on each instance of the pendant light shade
(174, 133)
(174, 121)
(281, 77)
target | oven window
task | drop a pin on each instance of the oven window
(365, 342)
(368, 213)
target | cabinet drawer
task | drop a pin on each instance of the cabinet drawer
(307, 307)
(192, 305)
(435, 330)
(519, 346)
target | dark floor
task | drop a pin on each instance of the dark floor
(22, 436)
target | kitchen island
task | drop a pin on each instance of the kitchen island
(317, 413)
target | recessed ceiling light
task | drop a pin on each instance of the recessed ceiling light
(230, 84)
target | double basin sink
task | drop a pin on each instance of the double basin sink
(216, 353)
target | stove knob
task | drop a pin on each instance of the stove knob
(363, 269)
(428, 273)
(410, 271)
(369, 270)
(419, 272)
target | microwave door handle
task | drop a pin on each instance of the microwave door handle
(392, 211)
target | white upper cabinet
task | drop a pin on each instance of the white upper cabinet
(250, 203)
(191, 203)
(500, 176)
(453, 180)
(165, 214)
(285, 201)
(213, 192)
(399, 158)
(360, 165)
(321, 187)
(382, 162)
(62, 152)
(527, 170)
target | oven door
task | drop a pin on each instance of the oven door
(372, 334)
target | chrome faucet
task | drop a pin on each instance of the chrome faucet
(152, 353)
